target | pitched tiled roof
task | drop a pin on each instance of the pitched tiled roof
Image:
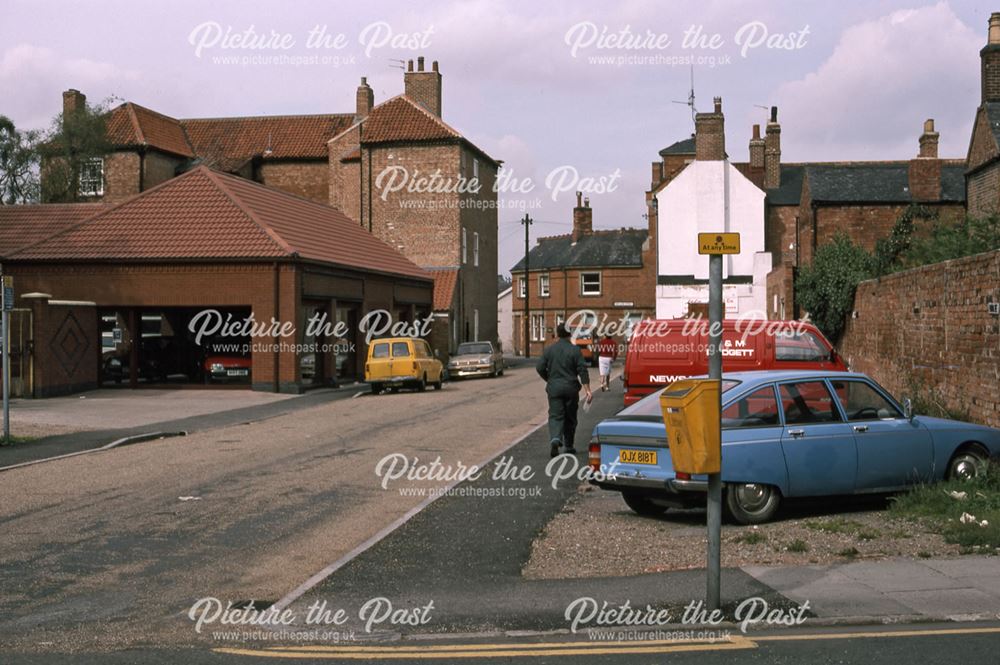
(23, 225)
(877, 182)
(445, 280)
(132, 125)
(601, 249)
(227, 143)
(682, 147)
(790, 191)
(402, 119)
(205, 214)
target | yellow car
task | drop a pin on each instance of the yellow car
(396, 362)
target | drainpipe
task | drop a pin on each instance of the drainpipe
(277, 316)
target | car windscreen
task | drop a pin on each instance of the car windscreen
(650, 404)
(474, 349)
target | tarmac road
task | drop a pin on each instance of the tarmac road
(108, 550)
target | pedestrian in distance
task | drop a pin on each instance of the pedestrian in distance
(565, 372)
(607, 351)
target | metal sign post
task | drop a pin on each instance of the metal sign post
(715, 245)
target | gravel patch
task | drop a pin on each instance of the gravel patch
(598, 533)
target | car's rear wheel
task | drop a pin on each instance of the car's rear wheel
(642, 505)
(752, 503)
(437, 384)
(967, 464)
(422, 386)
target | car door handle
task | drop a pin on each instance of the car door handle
(861, 428)
(796, 432)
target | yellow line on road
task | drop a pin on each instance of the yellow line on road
(455, 651)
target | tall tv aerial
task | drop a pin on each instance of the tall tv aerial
(690, 99)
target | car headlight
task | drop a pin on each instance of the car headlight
(217, 367)
(484, 361)
(114, 362)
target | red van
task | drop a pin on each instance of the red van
(662, 351)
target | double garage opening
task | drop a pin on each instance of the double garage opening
(147, 346)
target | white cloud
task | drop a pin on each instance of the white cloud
(40, 74)
(868, 100)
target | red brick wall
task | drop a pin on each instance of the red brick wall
(308, 179)
(66, 343)
(121, 176)
(984, 191)
(158, 168)
(928, 330)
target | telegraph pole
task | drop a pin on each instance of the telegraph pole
(527, 284)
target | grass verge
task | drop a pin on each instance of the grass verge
(941, 507)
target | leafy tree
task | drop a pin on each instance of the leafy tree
(826, 287)
(74, 141)
(18, 164)
(889, 252)
(947, 241)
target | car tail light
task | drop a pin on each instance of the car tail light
(683, 476)
(594, 455)
(415, 366)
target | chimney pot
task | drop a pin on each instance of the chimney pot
(586, 202)
(928, 125)
(434, 66)
(929, 141)
(409, 65)
(579, 199)
(420, 63)
(772, 152)
(756, 131)
(774, 114)
(718, 104)
(994, 36)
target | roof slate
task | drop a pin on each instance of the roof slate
(23, 225)
(682, 147)
(133, 125)
(445, 280)
(602, 249)
(205, 214)
(885, 182)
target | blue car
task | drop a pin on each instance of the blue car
(790, 434)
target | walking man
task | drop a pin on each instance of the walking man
(565, 371)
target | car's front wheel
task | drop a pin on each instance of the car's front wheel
(752, 503)
(967, 464)
(642, 505)
(422, 385)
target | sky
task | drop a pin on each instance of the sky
(570, 95)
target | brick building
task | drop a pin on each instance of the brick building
(348, 161)
(604, 272)
(807, 204)
(983, 175)
(146, 268)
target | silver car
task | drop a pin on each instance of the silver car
(476, 359)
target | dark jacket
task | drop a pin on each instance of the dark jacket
(563, 368)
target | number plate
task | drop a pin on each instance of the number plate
(236, 372)
(637, 457)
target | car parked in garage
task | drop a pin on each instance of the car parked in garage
(789, 434)
(475, 359)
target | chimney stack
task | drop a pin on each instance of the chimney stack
(756, 149)
(710, 134)
(925, 170)
(772, 152)
(424, 87)
(583, 218)
(929, 140)
(989, 58)
(365, 100)
(74, 101)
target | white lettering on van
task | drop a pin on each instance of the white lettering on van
(666, 378)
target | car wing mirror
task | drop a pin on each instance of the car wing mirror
(908, 408)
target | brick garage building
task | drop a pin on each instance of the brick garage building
(606, 272)
(337, 159)
(212, 241)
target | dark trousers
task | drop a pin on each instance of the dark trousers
(562, 417)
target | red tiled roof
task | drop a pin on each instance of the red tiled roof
(402, 119)
(445, 280)
(204, 214)
(23, 225)
(133, 125)
(227, 143)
